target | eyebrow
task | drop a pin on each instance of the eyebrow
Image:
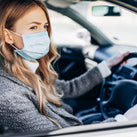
(34, 22)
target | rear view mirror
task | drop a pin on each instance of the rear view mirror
(105, 10)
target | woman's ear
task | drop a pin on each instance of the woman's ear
(8, 36)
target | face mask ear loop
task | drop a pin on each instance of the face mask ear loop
(15, 33)
(14, 46)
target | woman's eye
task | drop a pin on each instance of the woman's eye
(45, 27)
(34, 27)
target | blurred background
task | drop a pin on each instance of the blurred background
(117, 23)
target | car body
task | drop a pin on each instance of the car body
(78, 57)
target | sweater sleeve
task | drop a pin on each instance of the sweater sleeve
(21, 115)
(104, 70)
(80, 85)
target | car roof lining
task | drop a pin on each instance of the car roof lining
(61, 3)
(132, 4)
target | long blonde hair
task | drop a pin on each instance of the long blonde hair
(43, 81)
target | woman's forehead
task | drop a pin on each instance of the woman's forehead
(35, 14)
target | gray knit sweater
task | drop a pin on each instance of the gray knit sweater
(19, 109)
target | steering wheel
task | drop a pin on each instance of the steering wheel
(122, 100)
(131, 55)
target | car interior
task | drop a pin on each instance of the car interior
(105, 100)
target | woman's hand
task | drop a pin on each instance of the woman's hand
(116, 59)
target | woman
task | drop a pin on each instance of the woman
(30, 94)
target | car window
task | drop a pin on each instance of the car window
(118, 24)
(66, 32)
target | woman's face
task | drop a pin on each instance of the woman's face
(33, 21)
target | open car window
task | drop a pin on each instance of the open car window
(67, 32)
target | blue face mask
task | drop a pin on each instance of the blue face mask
(36, 45)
